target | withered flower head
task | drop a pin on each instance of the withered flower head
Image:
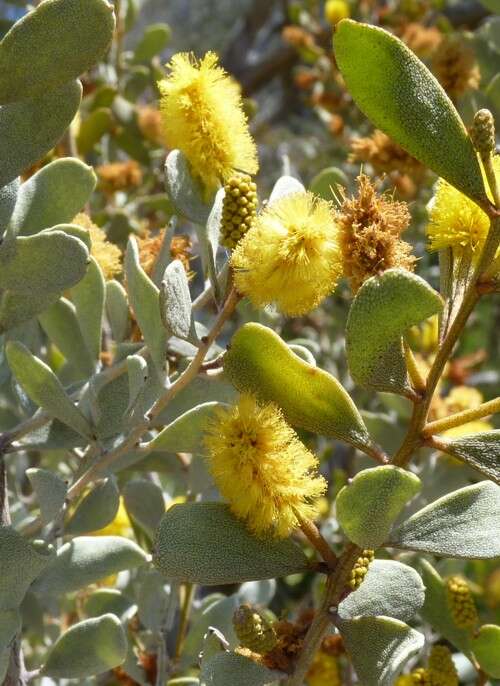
(370, 229)
(384, 155)
(118, 176)
(455, 67)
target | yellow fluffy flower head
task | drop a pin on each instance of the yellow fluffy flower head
(455, 220)
(260, 466)
(203, 116)
(290, 256)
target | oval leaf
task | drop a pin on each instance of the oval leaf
(175, 301)
(60, 323)
(44, 388)
(397, 92)
(183, 190)
(152, 43)
(285, 185)
(258, 361)
(228, 669)
(88, 299)
(22, 562)
(10, 625)
(67, 37)
(384, 308)
(47, 262)
(145, 301)
(464, 524)
(390, 588)
(86, 560)
(486, 648)
(379, 647)
(185, 434)
(145, 504)
(54, 195)
(436, 609)
(97, 509)
(480, 451)
(204, 543)
(117, 310)
(371, 503)
(50, 491)
(32, 127)
(88, 648)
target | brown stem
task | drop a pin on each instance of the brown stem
(313, 534)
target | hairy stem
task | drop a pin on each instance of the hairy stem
(440, 425)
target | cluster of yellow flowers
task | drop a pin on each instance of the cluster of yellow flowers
(107, 254)
(281, 486)
(440, 670)
(360, 569)
(324, 670)
(253, 630)
(461, 603)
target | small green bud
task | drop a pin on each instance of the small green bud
(238, 209)
(253, 630)
(482, 133)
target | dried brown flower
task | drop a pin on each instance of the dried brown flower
(384, 155)
(423, 40)
(150, 246)
(454, 65)
(370, 229)
(149, 121)
(118, 176)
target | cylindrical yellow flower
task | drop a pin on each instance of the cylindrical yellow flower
(455, 221)
(461, 603)
(260, 466)
(203, 117)
(442, 670)
(290, 256)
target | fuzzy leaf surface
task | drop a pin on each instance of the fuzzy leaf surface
(369, 505)
(97, 509)
(44, 388)
(67, 37)
(145, 504)
(228, 669)
(183, 190)
(204, 543)
(54, 195)
(88, 648)
(29, 129)
(397, 92)
(481, 451)
(88, 298)
(185, 434)
(390, 588)
(175, 301)
(384, 308)
(50, 491)
(462, 524)
(379, 647)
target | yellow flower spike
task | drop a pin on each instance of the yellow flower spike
(260, 466)
(421, 677)
(455, 221)
(441, 668)
(290, 256)
(360, 568)
(107, 254)
(324, 671)
(253, 630)
(203, 117)
(461, 603)
(238, 209)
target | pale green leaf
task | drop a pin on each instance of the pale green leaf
(144, 503)
(379, 647)
(384, 308)
(481, 451)
(29, 129)
(54, 195)
(204, 543)
(486, 648)
(175, 301)
(117, 310)
(183, 190)
(88, 648)
(402, 98)
(390, 588)
(154, 40)
(462, 524)
(185, 434)
(370, 504)
(66, 37)
(44, 388)
(88, 298)
(97, 509)
(86, 560)
(228, 669)
(50, 491)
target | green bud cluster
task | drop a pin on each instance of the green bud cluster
(253, 630)
(360, 568)
(461, 603)
(238, 210)
(483, 133)
(441, 668)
